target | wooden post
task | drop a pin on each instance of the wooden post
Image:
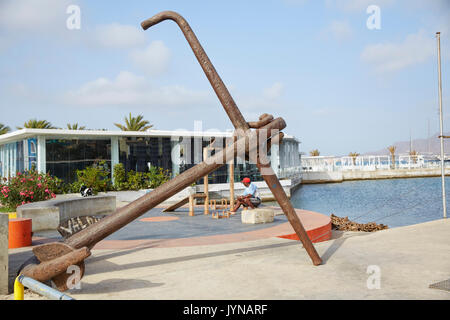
(191, 205)
(205, 185)
(231, 173)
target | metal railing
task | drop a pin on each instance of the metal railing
(370, 162)
(289, 172)
(37, 287)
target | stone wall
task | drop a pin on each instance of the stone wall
(4, 222)
(47, 215)
(339, 176)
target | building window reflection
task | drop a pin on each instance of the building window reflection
(191, 154)
(139, 153)
(64, 156)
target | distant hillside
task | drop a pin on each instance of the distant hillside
(431, 145)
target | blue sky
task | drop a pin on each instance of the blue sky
(340, 86)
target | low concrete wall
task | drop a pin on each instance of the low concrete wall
(90, 206)
(322, 177)
(49, 214)
(296, 182)
(339, 176)
(4, 222)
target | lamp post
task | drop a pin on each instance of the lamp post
(444, 204)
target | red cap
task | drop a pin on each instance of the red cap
(246, 180)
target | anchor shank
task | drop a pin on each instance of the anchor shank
(217, 84)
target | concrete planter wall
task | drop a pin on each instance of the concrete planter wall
(4, 220)
(47, 215)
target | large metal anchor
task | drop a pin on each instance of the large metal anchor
(52, 260)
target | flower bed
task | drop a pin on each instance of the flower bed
(27, 187)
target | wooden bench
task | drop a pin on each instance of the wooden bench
(182, 202)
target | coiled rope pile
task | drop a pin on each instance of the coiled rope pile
(344, 224)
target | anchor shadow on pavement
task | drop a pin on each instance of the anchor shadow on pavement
(100, 265)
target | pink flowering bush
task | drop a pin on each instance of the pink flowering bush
(27, 187)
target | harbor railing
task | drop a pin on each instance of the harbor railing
(370, 162)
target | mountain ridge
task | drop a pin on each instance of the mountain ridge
(422, 146)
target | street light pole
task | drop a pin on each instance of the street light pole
(444, 204)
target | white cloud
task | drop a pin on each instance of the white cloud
(387, 57)
(154, 59)
(338, 30)
(128, 89)
(46, 19)
(33, 15)
(117, 35)
(273, 91)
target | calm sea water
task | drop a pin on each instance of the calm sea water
(395, 202)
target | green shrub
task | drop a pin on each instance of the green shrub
(136, 180)
(27, 187)
(156, 177)
(132, 180)
(64, 188)
(120, 178)
(6, 209)
(95, 177)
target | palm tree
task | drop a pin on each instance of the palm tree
(37, 124)
(134, 124)
(392, 151)
(75, 127)
(314, 153)
(4, 129)
(353, 155)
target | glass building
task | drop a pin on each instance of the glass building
(61, 152)
(64, 156)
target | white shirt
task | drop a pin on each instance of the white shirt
(252, 189)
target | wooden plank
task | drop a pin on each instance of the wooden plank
(176, 205)
(199, 195)
(183, 202)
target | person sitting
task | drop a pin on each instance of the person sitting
(250, 198)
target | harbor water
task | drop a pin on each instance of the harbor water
(393, 202)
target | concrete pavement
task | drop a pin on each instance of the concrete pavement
(408, 259)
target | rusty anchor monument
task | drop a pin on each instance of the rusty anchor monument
(51, 261)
